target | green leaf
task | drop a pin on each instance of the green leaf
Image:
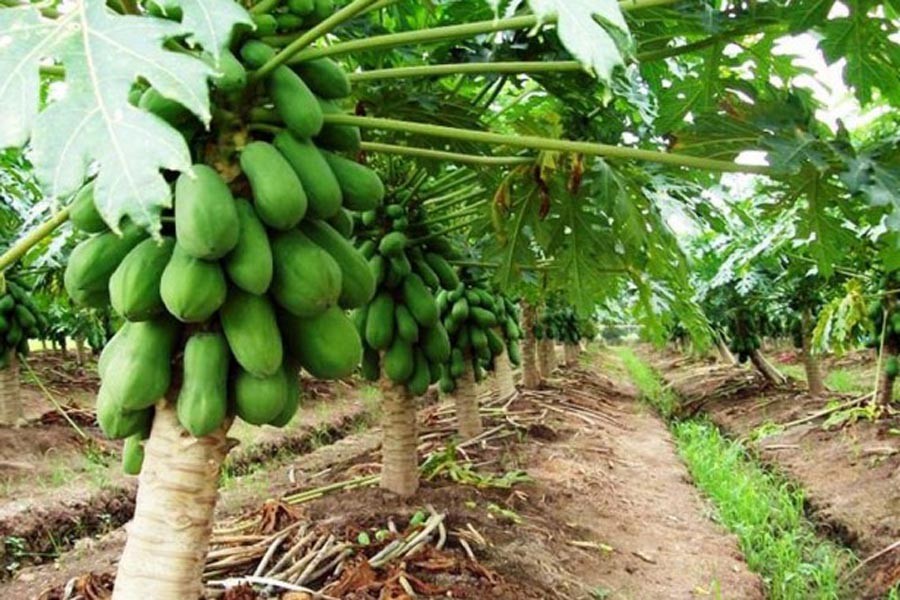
(209, 21)
(599, 47)
(92, 126)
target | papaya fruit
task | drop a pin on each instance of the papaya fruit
(277, 192)
(393, 244)
(421, 376)
(288, 22)
(249, 266)
(132, 455)
(361, 187)
(203, 399)
(892, 367)
(118, 423)
(478, 337)
(252, 332)
(379, 268)
(139, 372)
(445, 272)
(206, 219)
(371, 364)
(323, 9)
(427, 274)
(399, 361)
(359, 320)
(342, 222)
(260, 400)
(323, 192)
(460, 310)
(515, 354)
(482, 317)
(358, 281)
(494, 342)
(230, 75)
(169, 111)
(93, 262)
(447, 385)
(301, 7)
(291, 399)
(340, 138)
(380, 322)
(407, 328)
(265, 24)
(295, 103)
(325, 78)
(307, 279)
(327, 345)
(83, 211)
(256, 53)
(419, 301)
(399, 268)
(436, 343)
(457, 363)
(134, 288)
(192, 289)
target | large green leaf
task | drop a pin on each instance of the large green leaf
(92, 126)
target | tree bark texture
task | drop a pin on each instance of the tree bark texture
(505, 380)
(547, 357)
(814, 382)
(468, 418)
(531, 376)
(399, 457)
(571, 352)
(10, 393)
(885, 394)
(168, 538)
(765, 367)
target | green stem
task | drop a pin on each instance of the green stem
(456, 157)
(458, 195)
(52, 399)
(264, 6)
(469, 69)
(21, 248)
(441, 233)
(451, 181)
(540, 143)
(310, 36)
(474, 209)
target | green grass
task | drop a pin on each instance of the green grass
(847, 380)
(765, 511)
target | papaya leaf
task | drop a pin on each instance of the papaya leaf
(209, 21)
(92, 127)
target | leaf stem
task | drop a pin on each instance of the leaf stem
(441, 233)
(540, 143)
(456, 157)
(310, 36)
(468, 68)
(471, 210)
(32, 239)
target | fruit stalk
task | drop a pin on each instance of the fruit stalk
(454, 157)
(169, 536)
(560, 66)
(34, 237)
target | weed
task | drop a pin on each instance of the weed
(650, 387)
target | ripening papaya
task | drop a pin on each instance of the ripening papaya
(419, 301)
(342, 222)
(325, 78)
(295, 103)
(93, 262)
(483, 318)
(203, 399)
(134, 288)
(407, 328)
(260, 400)
(423, 270)
(494, 342)
(445, 272)
(83, 211)
(323, 192)
(252, 332)
(249, 266)
(278, 195)
(307, 279)
(361, 187)
(514, 353)
(291, 399)
(421, 376)
(206, 219)
(399, 361)
(357, 281)
(436, 343)
(327, 345)
(192, 289)
(380, 322)
(118, 423)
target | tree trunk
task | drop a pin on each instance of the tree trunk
(468, 418)
(168, 538)
(547, 357)
(571, 354)
(885, 395)
(814, 382)
(503, 373)
(531, 376)
(765, 367)
(79, 351)
(399, 458)
(10, 393)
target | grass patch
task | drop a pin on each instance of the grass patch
(763, 509)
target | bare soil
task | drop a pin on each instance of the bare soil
(850, 472)
(609, 512)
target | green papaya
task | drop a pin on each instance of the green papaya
(478, 337)
(295, 103)
(277, 192)
(515, 354)
(134, 288)
(482, 317)
(371, 364)
(393, 244)
(361, 187)
(265, 24)
(358, 281)
(260, 400)
(379, 268)
(169, 111)
(192, 289)
(436, 343)
(83, 211)
(24, 317)
(457, 363)
(494, 342)
(250, 265)
(256, 53)
(307, 279)
(7, 302)
(323, 9)
(426, 273)
(512, 329)
(203, 399)
(252, 332)
(138, 373)
(419, 301)
(231, 75)
(93, 262)
(340, 138)
(463, 341)
(399, 362)
(447, 384)
(323, 192)
(360, 315)
(445, 272)
(291, 400)
(301, 7)
(327, 346)
(132, 455)
(206, 219)
(380, 322)
(118, 423)
(399, 268)
(342, 222)
(288, 22)
(325, 78)
(892, 366)
(407, 328)
(421, 376)
(460, 310)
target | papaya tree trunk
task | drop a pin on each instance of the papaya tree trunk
(814, 382)
(725, 354)
(547, 357)
(465, 398)
(79, 351)
(769, 372)
(506, 383)
(399, 458)
(531, 376)
(168, 538)
(10, 393)
(884, 396)
(570, 352)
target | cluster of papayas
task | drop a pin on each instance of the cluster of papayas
(482, 324)
(238, 293)
(20, 319)
(293, 16)
(561, 323)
